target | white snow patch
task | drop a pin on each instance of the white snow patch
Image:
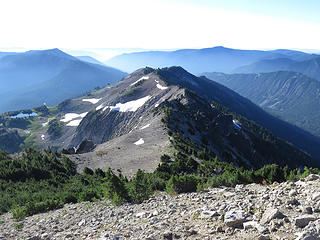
(74, 123)
(42, 137)
(131, 106)
(99, 107)
(148, 125)
(83, 114)
(139, 80)
(45, 123)
(70, 116)
(139, 142)
(91, 100)
(160, 86)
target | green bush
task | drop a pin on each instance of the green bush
(181, 184)
(19, 212)
(114, 187)
(18, 226)
(140, 187)
(270, 173)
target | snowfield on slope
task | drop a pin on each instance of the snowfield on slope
(70, 116)
(144, 127)
(139, 142)
(160, 86)
(73, 119)
(91, 100)
(139, 80)
(74, 123)
(131, 106)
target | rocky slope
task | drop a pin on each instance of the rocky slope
(289, 210)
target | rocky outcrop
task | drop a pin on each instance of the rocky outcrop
(245, 212)
(85, 146)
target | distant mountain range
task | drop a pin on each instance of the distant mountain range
(309, 67)
(48, 76)
(90, 60)
(216, 59)
(151, 112)
(291, 96)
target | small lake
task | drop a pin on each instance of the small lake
(21, 115)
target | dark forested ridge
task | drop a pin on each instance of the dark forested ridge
(292, 96)
(309, 67)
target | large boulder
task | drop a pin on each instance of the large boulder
(302, 221)
(269, 214)
(235, 218)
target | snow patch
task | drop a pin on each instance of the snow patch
(45, 123)
(83, 114)
(70, 116)
(99, 107)
(73, 119)
(91, 100)
(160, 86)
(139, 142)
(131, 106)
(74, 123)
(139, 80)
(148, 125)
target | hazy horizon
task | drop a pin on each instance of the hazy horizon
(104, 54)
(159, 24)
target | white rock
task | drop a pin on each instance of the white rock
(315, 196)
(254, 224)
(235, 217)
(82, 222)
(269, 214)
(292, 193)
(141, 214)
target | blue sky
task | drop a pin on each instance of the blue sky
(159, 24)
(302, 10)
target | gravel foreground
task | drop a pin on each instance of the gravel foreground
(288, 210)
